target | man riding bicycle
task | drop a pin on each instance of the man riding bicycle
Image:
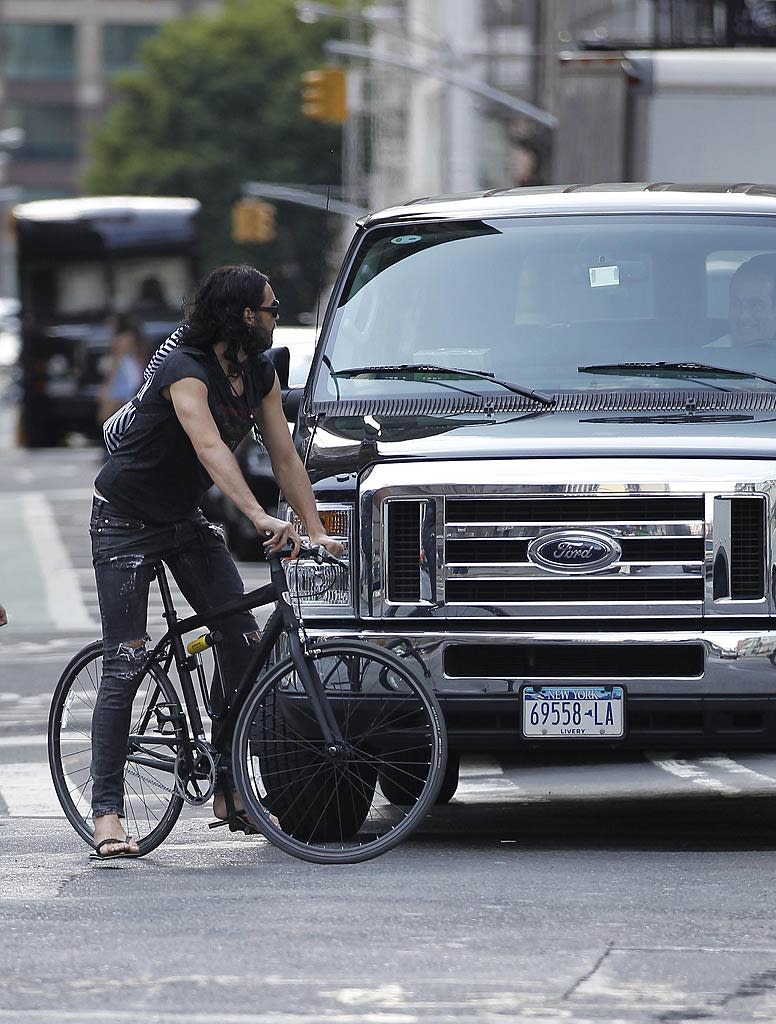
(202, 399)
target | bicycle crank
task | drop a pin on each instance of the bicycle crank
(196, 782)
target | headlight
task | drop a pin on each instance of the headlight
(323, 589)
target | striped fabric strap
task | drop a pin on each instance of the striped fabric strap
(114, 428)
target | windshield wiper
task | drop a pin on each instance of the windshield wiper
(660, 369)
(404, 368)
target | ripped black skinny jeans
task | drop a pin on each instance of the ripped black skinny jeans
(123, 553)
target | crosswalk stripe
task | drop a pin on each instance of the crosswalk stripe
(28, 792)
(56, 587)
(66, 608)
(693, 773)
(727, 764)
(26, 789)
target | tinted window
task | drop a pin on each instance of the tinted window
(532, 299)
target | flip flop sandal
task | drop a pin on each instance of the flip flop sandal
(97, 855)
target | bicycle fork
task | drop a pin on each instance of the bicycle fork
(333, 740)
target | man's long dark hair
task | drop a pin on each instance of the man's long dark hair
(216, 312)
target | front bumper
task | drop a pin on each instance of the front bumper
(694, 689)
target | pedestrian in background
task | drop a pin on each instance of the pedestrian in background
(127, 359)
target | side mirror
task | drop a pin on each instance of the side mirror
(292, 400)
(280, 359)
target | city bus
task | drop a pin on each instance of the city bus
(81, 262)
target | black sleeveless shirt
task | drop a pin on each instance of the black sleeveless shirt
(154, 474)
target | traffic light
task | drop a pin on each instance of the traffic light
(253, 220)
(324, 95)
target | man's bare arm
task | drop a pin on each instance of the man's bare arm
(287, 467)
(189, 399)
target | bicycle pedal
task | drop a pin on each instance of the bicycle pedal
(168, 715)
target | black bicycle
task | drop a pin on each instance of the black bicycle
(338, 750)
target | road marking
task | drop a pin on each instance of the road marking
(28, 792)
(63, 595)
(690, 772)
(56, 648)
(727, 764)
(480, 766)
(22, 741)
(267, 1017)
(34, 740)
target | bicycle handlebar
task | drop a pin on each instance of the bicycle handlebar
(317, 553)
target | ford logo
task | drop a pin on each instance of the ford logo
(570, 551)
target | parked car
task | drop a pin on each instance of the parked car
(292, 351)
(543, 423)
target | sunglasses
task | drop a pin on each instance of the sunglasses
(273, 308)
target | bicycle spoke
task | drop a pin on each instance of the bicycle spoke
(152, 806)
(329, 805)
(75, 753)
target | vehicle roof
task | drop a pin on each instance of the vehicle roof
(623, 197)
(88, 207)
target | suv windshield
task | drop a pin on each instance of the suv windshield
(545, 301)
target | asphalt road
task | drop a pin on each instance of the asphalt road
(546, 892)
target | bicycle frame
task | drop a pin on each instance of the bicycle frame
(282, 620)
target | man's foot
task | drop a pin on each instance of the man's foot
(108, 827)
(220, 809)
(234, 816)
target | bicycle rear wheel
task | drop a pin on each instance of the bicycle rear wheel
(151, 805)
(328, 807)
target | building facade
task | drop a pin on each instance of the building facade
(57, 60)
(430, 136)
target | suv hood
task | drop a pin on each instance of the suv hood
(345, 443)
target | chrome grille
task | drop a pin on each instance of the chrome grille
(404, 541)
(747, 546)
(451, 539)
(486, 550)
(563, 511)
(589, 590)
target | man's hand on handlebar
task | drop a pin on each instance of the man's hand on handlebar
(323, 540)
(283, 539)
(277, 535)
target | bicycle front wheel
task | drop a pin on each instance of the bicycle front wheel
(329, 807)
(151, 805)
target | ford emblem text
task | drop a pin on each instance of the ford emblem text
(574, 551)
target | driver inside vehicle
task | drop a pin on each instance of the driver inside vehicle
(752, 309)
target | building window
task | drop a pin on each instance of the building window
(121, 44)
(49, 131)
(38, 51)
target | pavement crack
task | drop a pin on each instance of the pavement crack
(588, 975)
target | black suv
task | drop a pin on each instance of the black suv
(543, 422)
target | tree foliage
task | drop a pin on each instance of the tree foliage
(215, 103)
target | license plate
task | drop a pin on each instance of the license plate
(572, 712)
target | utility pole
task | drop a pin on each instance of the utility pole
(462, 161)
(352, 145)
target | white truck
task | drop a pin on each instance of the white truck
(666, 115)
